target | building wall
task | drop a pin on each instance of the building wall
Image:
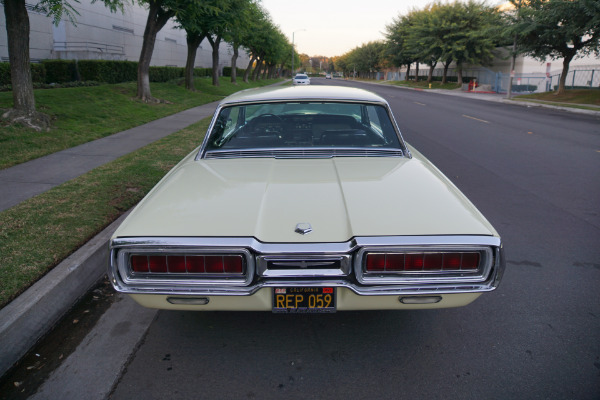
(100, 34)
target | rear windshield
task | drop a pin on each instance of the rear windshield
(303, 124)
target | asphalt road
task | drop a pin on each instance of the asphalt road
(535, 174)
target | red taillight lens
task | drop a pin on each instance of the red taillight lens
(139, 263)
(428, 262)
(194, 264)
(233, 264)
(187, 264)
(176, 264)
(470, 261)
(376, 262)
(158, 264)
(213, 264)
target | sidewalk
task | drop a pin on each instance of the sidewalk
(27, 318)
(501, 98)
(29, 179)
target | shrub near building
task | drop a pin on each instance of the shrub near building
(104, 71)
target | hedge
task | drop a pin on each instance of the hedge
(38, 73)
(105, 71)
(227, 71)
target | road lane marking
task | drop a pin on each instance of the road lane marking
(530, 133)
(476, 119)
(421, 104)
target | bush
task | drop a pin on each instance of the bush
(202, 72)
(523, 88)
(4, 73)
(165, 74)
(227, 71)
(59, 71)
(38, 74)
(108, 71)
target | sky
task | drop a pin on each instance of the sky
(334, 27)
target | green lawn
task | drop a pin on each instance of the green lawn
(39, 233)
(570, 97)
(422, 84)
(84, 114)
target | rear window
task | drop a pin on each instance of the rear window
(303, 125)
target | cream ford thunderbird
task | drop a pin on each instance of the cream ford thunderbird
(305, 200)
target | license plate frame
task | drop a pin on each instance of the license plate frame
(304, 300)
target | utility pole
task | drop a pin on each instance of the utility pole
(513, 59)
(294, 50)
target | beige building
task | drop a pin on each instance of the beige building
(100, 34)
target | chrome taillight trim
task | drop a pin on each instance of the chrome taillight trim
(412, 277)
(122, 272)
(253, 249)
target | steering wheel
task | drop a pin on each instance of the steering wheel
(258, 119)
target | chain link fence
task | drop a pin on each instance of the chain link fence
(579, 77)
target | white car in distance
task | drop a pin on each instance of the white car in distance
(301, 79)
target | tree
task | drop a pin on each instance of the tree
(397, 51)
(17, 29)
(558, 29)
(159, 12)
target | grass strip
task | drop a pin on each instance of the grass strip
(39, 233)
(570, 97)
(424, 85)
(83, 114)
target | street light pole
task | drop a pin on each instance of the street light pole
(293, 49)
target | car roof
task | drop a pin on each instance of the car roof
(302, 93)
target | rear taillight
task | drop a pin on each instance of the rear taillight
(422, 262)
(187, 264)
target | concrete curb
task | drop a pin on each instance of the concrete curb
(31, 315)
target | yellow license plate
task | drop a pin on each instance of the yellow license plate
(304, 300)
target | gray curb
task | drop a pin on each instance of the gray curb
(31, 315)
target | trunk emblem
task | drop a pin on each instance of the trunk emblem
(303, 228)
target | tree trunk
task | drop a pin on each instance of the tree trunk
(234, 65)
(459, 73)
(257, 69)
(417, 72)
(563, 75)
(17, 30)
(249, 68)
(431, 68)
(446, 65)
(265, 71)
(407, 72)
(157, 18)
(215, 43)
(193, 42)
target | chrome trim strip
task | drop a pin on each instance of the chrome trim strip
(295, 153)
(314, 248)
(202, 288)
(360, 290)
(304, 263)
(432, 277)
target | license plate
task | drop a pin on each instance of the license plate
(304, 300)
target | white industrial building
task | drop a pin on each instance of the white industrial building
(100, 34)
